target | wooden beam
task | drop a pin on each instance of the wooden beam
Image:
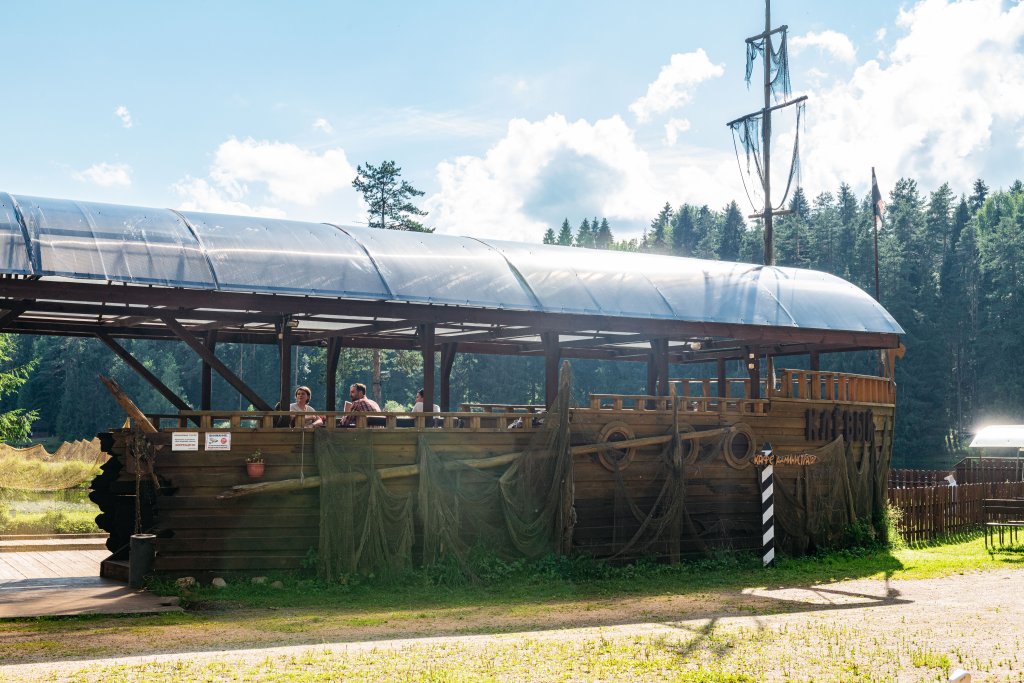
(723, 385)
(555, 322)
(12, 314)
(206, 390)
(661, 358)
(448, 351)
(196, 345)
(427, 342)
(143, 372)
(333, 355)
(552, 357)
(284, 349)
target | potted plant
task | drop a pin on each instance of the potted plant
(254, 465)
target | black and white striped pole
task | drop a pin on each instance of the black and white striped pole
(767, 508)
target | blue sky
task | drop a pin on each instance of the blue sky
(510, 116)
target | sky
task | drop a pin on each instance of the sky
(509, 116)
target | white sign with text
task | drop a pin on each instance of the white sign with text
(218, 441)
(185, 441)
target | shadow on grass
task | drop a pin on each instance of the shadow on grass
(555, 593)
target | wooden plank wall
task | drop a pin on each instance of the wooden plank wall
(263, 532)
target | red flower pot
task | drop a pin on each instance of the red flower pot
(255, 469)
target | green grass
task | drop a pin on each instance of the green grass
(525, 586)
(550, 594)
(50, 522)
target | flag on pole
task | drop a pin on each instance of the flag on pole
(876, 198)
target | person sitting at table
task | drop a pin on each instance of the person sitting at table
(359, 404)
(418, 406)
(302, 396)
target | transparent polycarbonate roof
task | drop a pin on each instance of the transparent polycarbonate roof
(262, 255)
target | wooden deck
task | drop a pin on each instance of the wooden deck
(66, 582)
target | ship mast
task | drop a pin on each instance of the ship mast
(775, 84)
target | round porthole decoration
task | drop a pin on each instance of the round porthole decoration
(614, 459)
(738, 447)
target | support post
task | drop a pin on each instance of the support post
(206, 390)
(723, 381)
(196, 345)
(284, 345)
(143, 371)
(767, 477)
(815, 362)
(661, 359)
(754, 373)
(552, 356)
(427, 344)
(448, 352)
(331, 380)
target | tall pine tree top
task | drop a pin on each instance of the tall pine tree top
(388, 197)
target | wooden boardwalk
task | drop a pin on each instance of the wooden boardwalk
(38, 564)
(37, 583)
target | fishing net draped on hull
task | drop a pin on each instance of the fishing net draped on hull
(445, 505)
(816, 505)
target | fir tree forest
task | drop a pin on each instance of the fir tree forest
(951, 272)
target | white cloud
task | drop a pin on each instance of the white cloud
(673, 128)
(539, 173)
(106, 175)
(675, 84)
(258, 176)
(830, 42)
(323, 125)
(942, 107)
(126, 116)
(880, 34)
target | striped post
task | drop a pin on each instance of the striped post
(768, 516)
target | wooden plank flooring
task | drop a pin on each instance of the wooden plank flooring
(16, 566)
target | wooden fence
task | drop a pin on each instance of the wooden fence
(976, 470)
(908, 479)
(932, 511)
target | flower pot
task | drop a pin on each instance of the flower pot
(254, 469)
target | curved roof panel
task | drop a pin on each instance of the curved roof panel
(111, 242)
(443, 269)
(271, 255)
(263, 255)
(13, 248)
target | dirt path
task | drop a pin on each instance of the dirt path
(976, 619)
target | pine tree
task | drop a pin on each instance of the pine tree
(565, 234)
(584, 235)
(604, 238)
(732, 234)
(388, 197)
(656, 241)
(684, 241)
(549, 236)
(979, 195)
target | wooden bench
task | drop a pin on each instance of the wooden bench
(1002, 515)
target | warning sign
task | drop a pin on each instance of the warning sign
(184, 441)
(218, 441)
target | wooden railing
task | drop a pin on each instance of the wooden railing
(688, 404)
(501, 408)
(814, 385)
(234, 420)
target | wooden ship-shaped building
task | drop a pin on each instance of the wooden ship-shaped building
(669, 473)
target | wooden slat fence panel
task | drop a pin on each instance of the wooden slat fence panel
(906, 479)
(933, 511)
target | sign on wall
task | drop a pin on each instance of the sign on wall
(218, 441)
(184, 441)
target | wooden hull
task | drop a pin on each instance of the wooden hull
(199, 532)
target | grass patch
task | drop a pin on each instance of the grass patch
(26, 474)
